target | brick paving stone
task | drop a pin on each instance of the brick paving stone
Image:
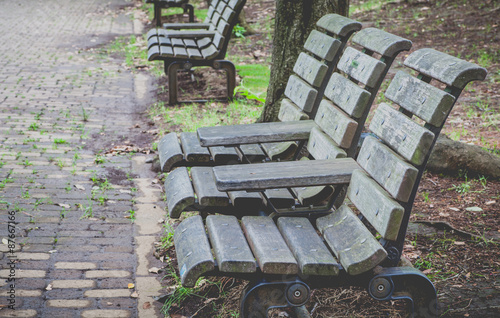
(73, 283)
(106, 313)
(107, 273)
(69, 303)
(18, 313)
(108, 293)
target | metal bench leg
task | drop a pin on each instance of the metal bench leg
(260, 296)
(406, 283)
(190, 10)
(228, 66)
(172, 81)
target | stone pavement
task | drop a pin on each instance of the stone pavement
(68, 248)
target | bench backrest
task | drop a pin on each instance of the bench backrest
(393, 160)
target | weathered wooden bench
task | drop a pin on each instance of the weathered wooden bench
(312, 69)
(333, 133)
(159, 5)
(182, 46)
(286, 258)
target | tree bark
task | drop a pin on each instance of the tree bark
(294, 21)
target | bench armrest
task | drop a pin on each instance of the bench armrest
(273, 175)
(186, 26)
(255, 133)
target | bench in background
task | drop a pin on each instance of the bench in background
(159, 5)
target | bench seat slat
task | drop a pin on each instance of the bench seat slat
(205, 189)
(284, 174)
(290, 112)
(348, 96)
(405, 136)
(209, 52)
(169, 151)
(253, 152)
(300, 93)
(310, 69)
(376, 205)
(245, 200)
(180, 192)
(255, 133)
(313, 256)
(189, 43)
(268, 246)
(166, 51)
(361, 67)
(312, 195)
(432, 104)
(392, 172)
(194, 53)
(224, 155)
(193, 250)
(180, 52)
(354, 245)
(192, 149)
(322, 45)
(280, 150)
(230, 247)
(336, 124)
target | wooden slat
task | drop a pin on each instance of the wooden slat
(193, 151)
(194, 53)
(189, 43)
(153, 53)
(322, 45)
(255, 133)
(205, 189)
(179, 52)
(152, 41)
(164, 41)
(169, 151)
(177, 42)
(284, 174)
(253, 152)
(224, 28)
(300, 93)
(313, 256)
(381, 42)
(290, 112)
(376, 205)
(361, 67)
(336, 124)
(387, 168)
(246, 201)
(179, 191)
(221, 6)
(337, 24)
(348, 96)
(445, 68)
(228, 14)
(310, 69)
(424, 100)
(218, 41)
(204, 42)
(224, 155)
(236, 4)
(321, 146)
(209, 52)
(268, 246)
(403, 135)
(353, 244)
(193, 250)
(166, 51)
(231, 249)
(280, 150)
(280, 198)
(308, 196)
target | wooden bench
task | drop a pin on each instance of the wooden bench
(312, 70)
(333, 133)
(158, 5)
(285, 258)
(182, 46)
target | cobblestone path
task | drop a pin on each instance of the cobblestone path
(68, 248)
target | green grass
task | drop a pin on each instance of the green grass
(368, 5)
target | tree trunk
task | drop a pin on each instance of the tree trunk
(294, 21)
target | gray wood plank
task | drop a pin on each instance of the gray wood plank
(209, 52)
(310, 69)
(193, 250)
(424, 100)
(392, 172)
(280, 198)
(322, 45)
(205, 189)
(179, 191)
(179, 52)
(284, 174)
(336, 124)
(290, 112)
(361, 67)
(204, 42)
(194, 53)
(353, 244)
(224, 155)
(308, 196)
(307, 247)
(179, 26)
(321, 146)
(347, 95)
(337, 24)
(268, 246)
(253, 152)
(280, 150)
(192, 149)
(166, 51)
(254, 133)
(246, 201)
(300, 93)
(381, 42)
(376, 205)
(445, 68)
(169, 151)
(231, 249)
(406, 137)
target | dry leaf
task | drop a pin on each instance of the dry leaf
(49, 287)
(154, 270)
(134, 295)
(444, 214)
(131, 285)
(454, 209)
(459, 243)
(490, 202)
(146, 305)
(64, 205)
(80, 187)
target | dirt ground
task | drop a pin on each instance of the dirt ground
(454, 234)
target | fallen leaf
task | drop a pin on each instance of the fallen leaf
(80, 187)
(5, 241)
(490, 202)
(459, 243)
(125, 191)
(444, 214)
(109, 304)
(52, 251)
(146, 305)
(49, 287)
(134, 295)
(131, 285)
(427, 271)
(467, 275)
(64, 205)
(154, 270)
(474, 209)
(454, 209)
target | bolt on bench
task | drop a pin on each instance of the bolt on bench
(359, 243)
(158, 5)
(334, 133)
(182, 46)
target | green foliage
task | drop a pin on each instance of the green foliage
(239, 31)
